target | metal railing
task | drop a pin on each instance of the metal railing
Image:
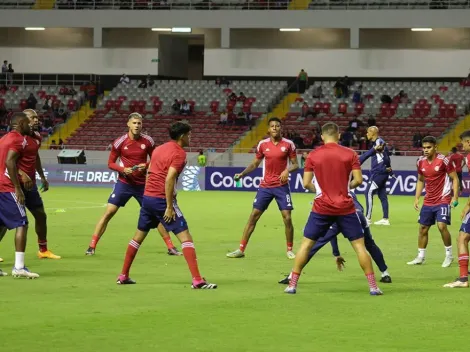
(233, 4)
(38, 79)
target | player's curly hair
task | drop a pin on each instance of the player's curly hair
(178, 129)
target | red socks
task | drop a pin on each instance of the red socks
(243, 245)
(131, 252)
(463, 265)
(168, 242)
(371, 281)
(94, 241)
(190, 255)
(289, 246)
(42, 246)
(294, 279)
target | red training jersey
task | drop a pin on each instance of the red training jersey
(164, 156)
(275, 160)
(332, 165)
(11, 141)
(457, 159)
(27, 163)
(131, 152)
(438, 184)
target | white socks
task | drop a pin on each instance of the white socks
(19, 260)
(448, 251)
(385, 273)
(421, 253)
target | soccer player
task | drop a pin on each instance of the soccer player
(379, 173)
(275, 152)
(332, 165)
(440, 177)
(28, 165)
(132, 149)
(464, 234)
(159, 204)
(12, 198)
(458, 160)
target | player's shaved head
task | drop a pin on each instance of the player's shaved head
(30, 113)
(330, 129)
(17, 118)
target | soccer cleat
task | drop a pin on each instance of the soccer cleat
(457, 284)
(290, 255)
(284, 281)
(90, 251)
(174, 251)
(1, 260)
(124, 280)
(447, 262)
(203, 285)
(291, 290)
(384, 222)
(24, 272)
(369, 222)
(2, 273)
(386, 279)
(236, 254)
(47, 255)
(376, 292)
(417, 261)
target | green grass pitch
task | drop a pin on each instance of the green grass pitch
(76, 305)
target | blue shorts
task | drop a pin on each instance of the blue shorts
(264, 196)
(33, 199)
(318, 226)
(465, 227)
(12, 215)
(151, 214)
(122, 192)
(429, 215)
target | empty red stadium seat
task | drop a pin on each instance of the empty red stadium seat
(343, 108)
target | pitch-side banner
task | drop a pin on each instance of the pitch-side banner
(221, 179)
(191, 179)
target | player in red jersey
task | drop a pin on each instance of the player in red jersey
(332, 166)
(159, 204)
(458, 160)
(132, 149)
(275, 153)
(464, 233)
(442, 192)
(12, 198)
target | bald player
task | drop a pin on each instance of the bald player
(380, 170)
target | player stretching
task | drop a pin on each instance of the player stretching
(28, 165)
(332, 165)
(458, 160)
(464, 234)
(440, 177)
(132, 149)
(159, 204)
(379, 172)
(276, 152)
(12, 198)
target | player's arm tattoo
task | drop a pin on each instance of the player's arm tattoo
(294, 164)
(250, 168)
(307, 181)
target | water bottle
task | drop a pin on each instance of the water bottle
(238, 183)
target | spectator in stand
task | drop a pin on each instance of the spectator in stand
(347, 138)
(357, 95)
(61, 112)
(61, 144)
(338, 88)
(355, 124)
(304, 110)
(402, 97)
(142, 84)
(176, 107)
(53, 145)
(346, 83)
(185, 108)
(298, 141)
(371, 121)
(92, 95)
(31, 101)
(241, 97)
(150, 82)
(11, 71)
(417, 138)
(4, 72)
(317, 92)
(47, 105)
(223, 118)
(124, 79)
(233, 97)
(308, 141)
(302, 81)
(241, 119)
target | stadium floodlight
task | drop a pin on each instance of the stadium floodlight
(161, 29)
(35, 28)
(289, 29)
(421, 29)
(181, 30)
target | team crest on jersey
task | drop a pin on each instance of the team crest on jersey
(436, 168)
(142, 146)
(283, 149)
